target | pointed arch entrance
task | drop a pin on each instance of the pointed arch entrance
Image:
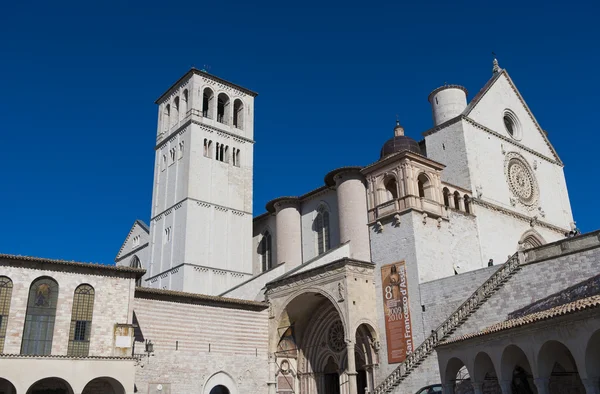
(317, 342)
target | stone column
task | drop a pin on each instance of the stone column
(272, 382)
(592, 385)
(448, 388)
(543, 385)
(288, 236)
(477, 387)
(461, 203)
(352, 212)
(506, 386)
(351, 371)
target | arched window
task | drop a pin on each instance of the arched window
(175, 114)
(166, 116)
(81, 321)
(181, 149)
(321, 227)
(391, 189)
(135, 263)
(266, 251)
(184, 103)
(467, 201)
(226, 154)
(425, 187)
(238, 114)
(446, 194)
(456, 200)
(236, 157)
(172, 155)
(39, 320)
(6, 287)
(207, 103)
(223, 108)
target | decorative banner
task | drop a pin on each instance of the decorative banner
(397, 313)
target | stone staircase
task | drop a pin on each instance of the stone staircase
(456, 319)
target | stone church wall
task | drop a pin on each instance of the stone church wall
(391, 245)
(452, 245)
(309, 213)
(487, 155)
(448, 147)
(192, 342)
(443, 296)
(111, 306)
(564, 264)
(500, 234)
(534, 282)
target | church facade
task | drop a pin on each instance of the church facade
(345, 289)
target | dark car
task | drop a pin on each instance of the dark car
(433, 389)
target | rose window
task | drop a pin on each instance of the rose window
(521, 180)
(335, 337)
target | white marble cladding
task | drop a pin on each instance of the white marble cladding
(202, 199)
(186, 100)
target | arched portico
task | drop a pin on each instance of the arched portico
(515, 366)
(314, 337)
(50, 386)
(312, 343)
(105, 385)
(7, 387)
(558, 368)
(485, 378)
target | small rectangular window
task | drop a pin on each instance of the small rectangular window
(80, 330)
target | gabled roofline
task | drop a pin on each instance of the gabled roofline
(195, 71)
(488, 86)
(144, 227)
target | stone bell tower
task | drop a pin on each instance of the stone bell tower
(201, 224)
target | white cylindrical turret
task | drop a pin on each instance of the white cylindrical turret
(352, 209)
(289, 232)
(447, 102)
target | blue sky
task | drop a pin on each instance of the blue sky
(79, 80)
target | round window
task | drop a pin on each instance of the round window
(512, 125)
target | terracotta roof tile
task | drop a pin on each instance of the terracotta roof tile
(566, 309)
(139, 271)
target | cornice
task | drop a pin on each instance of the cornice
(441, 126)
(183, 128)
(175, 269)
(207, 204)
(65, 357)
(510, 141)
(462, 189)
(195, 71)
(136, 223)
(194, 298)
(323, 271)
(517, 215)
(435, 91)
(132, 252)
